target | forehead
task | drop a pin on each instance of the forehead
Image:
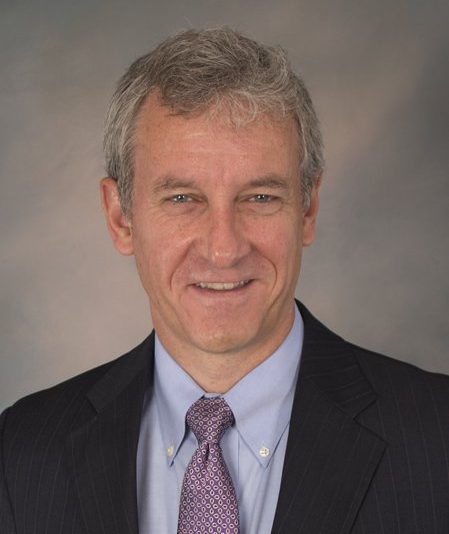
(157, 123)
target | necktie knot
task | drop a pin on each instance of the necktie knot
(209, 418)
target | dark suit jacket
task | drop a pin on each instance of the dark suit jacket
(367, 453)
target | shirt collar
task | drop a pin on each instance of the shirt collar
(174, 392)
(261, 401)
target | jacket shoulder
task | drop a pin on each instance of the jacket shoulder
(384, 367)
(58, 409)
(412, 402)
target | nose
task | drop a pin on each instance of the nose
(225, 240)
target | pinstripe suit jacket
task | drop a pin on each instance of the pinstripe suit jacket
(368, 447)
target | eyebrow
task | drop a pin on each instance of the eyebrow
(270, 181)
(167, 183)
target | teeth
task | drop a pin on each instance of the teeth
(221, 286)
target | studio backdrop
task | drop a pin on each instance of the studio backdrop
(378, 271)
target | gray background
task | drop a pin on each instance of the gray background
(378, 273)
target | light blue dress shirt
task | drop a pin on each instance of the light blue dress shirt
(253, 448)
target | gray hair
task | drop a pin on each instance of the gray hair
(211, 70)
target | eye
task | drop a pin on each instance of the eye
(261, 198)
(261, 203)
(180, 198)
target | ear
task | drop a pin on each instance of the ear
(309, 217)
(118, 225)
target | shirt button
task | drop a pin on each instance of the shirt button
(169, 451)
(264, 451)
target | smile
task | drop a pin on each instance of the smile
(221, 286)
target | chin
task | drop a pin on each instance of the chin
(222, 342)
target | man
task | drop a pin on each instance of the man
(214, 159)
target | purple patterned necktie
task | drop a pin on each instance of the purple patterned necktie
(208, 501)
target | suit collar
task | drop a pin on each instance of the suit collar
(330, 364)
(330, 458)
(102, 449)
(137, 363)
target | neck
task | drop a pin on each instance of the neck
(219, 373)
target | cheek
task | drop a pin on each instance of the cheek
(159, 254)
(279, 242)
(148, 253)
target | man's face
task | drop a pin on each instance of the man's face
(217, 230)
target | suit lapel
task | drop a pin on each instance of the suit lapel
(330, 458)
(102, 450)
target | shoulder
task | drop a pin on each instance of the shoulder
(386, 373)
(411, 411)
(57, 410)
(381, 370)
(402, 389)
